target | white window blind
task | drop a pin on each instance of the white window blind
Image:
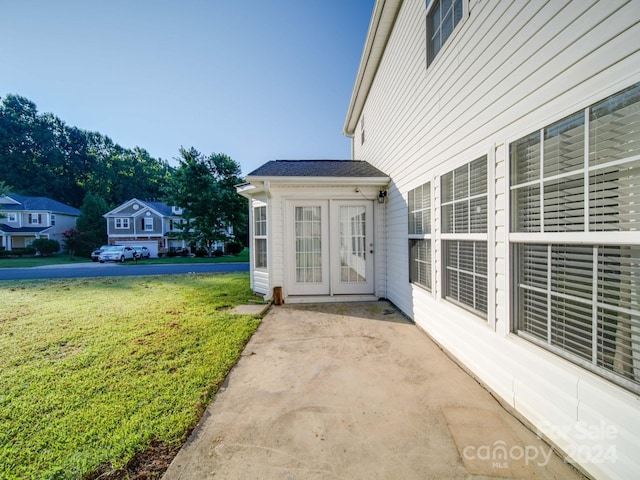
(260, 236)
(581, 298)
(464, 216)
(419, 203)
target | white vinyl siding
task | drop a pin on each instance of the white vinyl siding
(420, 262)
(581, 298)
(509, 69)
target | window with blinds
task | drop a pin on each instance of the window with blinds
(260, 236)
(419, 202)
(464, 235)
(579, 296)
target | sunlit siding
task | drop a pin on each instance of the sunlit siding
(508, 69)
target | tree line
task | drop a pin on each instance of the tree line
(40, 155)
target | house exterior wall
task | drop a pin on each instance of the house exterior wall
(508, 69)
(263, 281)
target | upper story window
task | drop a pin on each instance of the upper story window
(442, 18)
(12, 217)
(122, 223)
(53, 219)
(148, 224)
(35, 218)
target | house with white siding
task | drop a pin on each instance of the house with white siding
(495, 201)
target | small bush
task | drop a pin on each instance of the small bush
(218, 253)
(46, 246)
(235, 248)
(201, 252)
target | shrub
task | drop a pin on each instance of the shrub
(201, 252)
(235, 248)
(217, 253)
(46, 246)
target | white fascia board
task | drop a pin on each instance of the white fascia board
(382, 21)
(380, 181)
(247, 190)
(114, 212)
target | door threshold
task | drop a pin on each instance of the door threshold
(330, 298)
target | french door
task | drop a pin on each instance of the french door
(331, 248)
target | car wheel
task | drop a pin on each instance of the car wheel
(122, 259)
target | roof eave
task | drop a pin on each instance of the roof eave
(383, 18)
(286, 180)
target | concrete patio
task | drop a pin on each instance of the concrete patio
(355, 391)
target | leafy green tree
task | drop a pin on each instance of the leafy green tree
(91, 222)
(204, 188)
(4, 189)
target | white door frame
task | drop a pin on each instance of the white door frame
(331, 279)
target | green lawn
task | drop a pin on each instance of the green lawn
(94, 371)
(61, 259)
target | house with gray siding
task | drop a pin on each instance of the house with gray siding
(24, 219)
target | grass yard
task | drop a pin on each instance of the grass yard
(94, 371)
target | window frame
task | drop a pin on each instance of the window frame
(12, 217)
(423, 235)
(121, 223)
(430, 6)
(260, 231)
(447, 238)
(593, 339)
(148, 224)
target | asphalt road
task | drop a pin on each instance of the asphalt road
(85, 270)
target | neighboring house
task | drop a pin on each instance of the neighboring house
(154, 225)
(510, 232)
(24, 219)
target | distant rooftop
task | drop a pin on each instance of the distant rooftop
(317, 168)
(37, 203)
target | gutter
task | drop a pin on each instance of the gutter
(383, 19)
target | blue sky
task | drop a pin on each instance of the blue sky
(256, 79)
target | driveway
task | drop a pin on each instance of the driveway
(355, 391)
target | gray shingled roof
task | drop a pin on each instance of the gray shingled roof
(316, 168)
(38, 203)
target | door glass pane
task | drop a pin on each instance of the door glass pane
(353, 244)
(308, 245)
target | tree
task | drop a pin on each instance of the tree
(73, 241)
(4, 190)
(204, 188)
(91, 223)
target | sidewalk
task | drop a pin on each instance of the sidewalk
(355, 391)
